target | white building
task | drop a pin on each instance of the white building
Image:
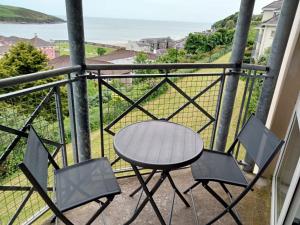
(267, 29)
(138, 46)
(151, 45)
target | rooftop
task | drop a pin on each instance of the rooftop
(7, 42)
(273, 5)
(64, 61)
(154, 40)
(38, 42)
(272, 21)
(35, 41)
(11, 40)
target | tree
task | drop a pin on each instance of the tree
(198, 43)
(141, 58)
(23, 58)
(222, 23)
(172, 56)
(263, 60)
(230, 24)
(101, 51)
(228, 36)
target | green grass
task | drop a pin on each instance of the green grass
(161, 106)
(20, 15)
(168, 102)
(90, 50)
(237, 104)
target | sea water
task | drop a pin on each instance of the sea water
(107, 30)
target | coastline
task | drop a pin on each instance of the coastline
(104, 30)
(31, 23)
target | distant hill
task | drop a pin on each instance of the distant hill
(222, 23)
(230, 21)
(12, 14)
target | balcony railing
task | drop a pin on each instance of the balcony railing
(188, 94)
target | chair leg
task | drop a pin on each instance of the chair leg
(53, 219)
(221, 215)
(192, 187)
(226, 190)
(228, 209)
(100, 210)
(59, 216)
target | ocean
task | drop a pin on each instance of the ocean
(107, 30)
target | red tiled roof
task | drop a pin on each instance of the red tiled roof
(11, 40)
(38, 42)
(64, 61)
(35, 41)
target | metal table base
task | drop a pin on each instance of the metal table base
(165, 174)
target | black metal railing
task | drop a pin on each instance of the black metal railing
(189, 94)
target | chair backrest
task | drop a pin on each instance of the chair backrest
(35, 162)
(260, 143)
(35, 167)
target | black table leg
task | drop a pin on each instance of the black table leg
(146, 182)
(176, 190)
(149, 195)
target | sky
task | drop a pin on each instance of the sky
(170, 10)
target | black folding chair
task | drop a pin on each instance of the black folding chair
(74, 185)
(260, 143)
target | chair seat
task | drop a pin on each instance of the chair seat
(217, 166)
(84, 182)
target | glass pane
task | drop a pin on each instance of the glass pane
(288, 165)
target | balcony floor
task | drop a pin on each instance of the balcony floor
(253, 209)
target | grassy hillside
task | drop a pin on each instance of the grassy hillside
(232, 20)
(12, 14)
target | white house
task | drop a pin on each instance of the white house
(267, 28)
(151, 45)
